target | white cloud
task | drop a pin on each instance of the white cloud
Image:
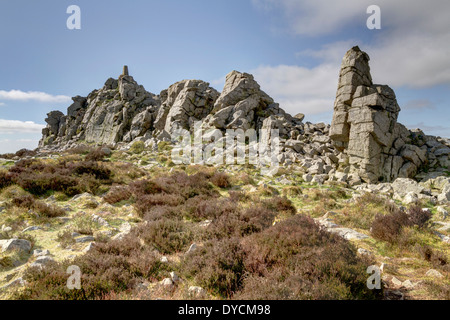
(14, 145)
(18, 95)
(412, 49)
(2, 104)
(299, 89)
(16, 126)
(312, 17)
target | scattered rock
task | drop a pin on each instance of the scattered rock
(396, 282)
(167, 283)
(33, 228)
(192, 248)
(40, 253)
(15, 244)
(196, 292)
(362, 251)
(174, 277)
(434, 274)
(85, 239)
(42, 261)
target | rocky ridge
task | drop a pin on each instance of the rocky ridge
(364, 144)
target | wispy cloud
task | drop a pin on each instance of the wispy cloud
(419, 104)
(13, 145)
(2, 104)
(427, 129)
(18, 95)
(412, 48)
(299, 89)
(16, 126)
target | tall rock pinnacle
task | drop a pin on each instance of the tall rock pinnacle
(365, 124)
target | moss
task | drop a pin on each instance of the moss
(137, 147)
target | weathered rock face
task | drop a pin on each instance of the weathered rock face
(365, 125)
(120, 111)
(185, 102)
(242, 104)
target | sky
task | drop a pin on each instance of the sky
(294, 48)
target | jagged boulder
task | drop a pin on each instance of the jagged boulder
(242, 104)
(187, 101)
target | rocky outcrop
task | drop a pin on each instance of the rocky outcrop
(185, 102)
(365, 126)
(120, 111)
(242, 104)
(364, 144)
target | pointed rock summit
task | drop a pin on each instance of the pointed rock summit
(365, 124)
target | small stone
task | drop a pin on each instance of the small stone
(15, 244)
(85, 239)
(196, 291)
(362, 251)
(205, 224)
(174, 277)
(89, 247)
(32, 228)
(42, 261)
(164, 259)
(6, 229)
(408, 284)
(167, 282)
(396, 282)
(434, 274)
(443, 212)
(192, 248)
(16, 283)
(39, 253)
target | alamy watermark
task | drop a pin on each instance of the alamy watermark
(74, 20)
(74, 280)
(374, 281)
(374, 21)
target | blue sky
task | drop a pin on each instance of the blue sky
(293, 47)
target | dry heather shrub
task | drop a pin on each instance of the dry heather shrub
(96, 155)
(437, 258)
(237, 196)
(295, 259)
(221, 180)
(160, 212)
(234, 221)
(117, 194)
(116, 266)
(292, 191)
(280, 204)
(46, 210)
(145, 203)
(39, 177)
(166, 236)
(218, 267)
(419, 217)
(5, 179)
(80, 149)
(389, 227)
(242, 179)
(204, 207)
